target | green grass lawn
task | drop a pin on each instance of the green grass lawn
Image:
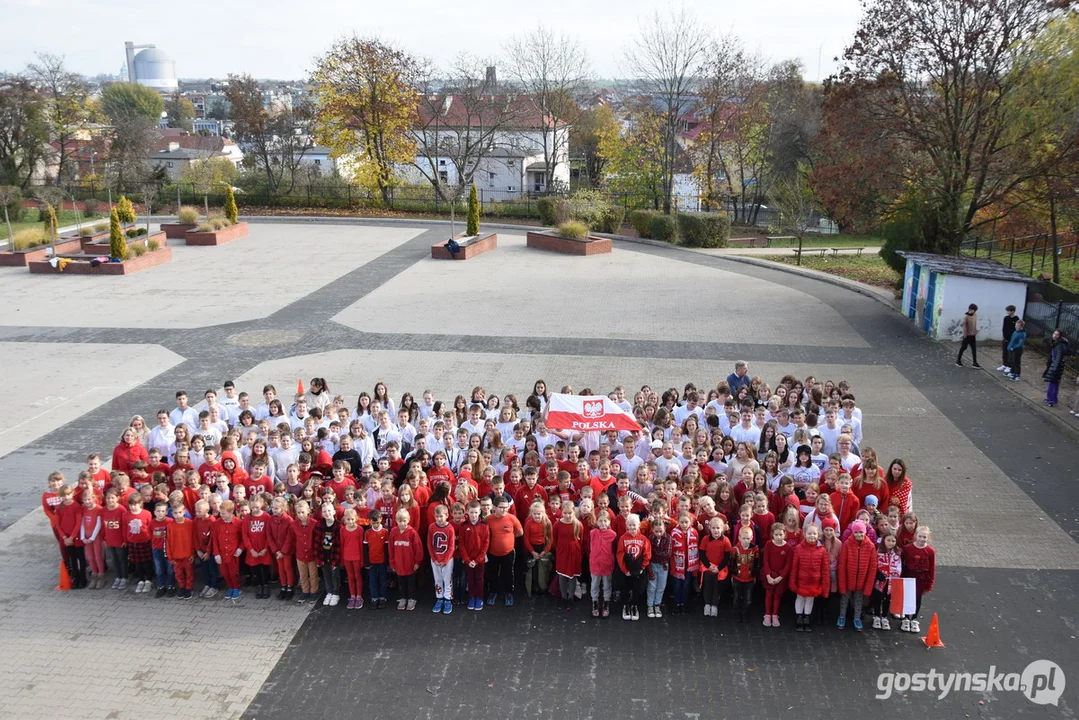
(1043, 263)
(31, 219)
(869, 268)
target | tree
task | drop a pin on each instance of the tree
(947, 73)
(206, 172)
(181, 112)
(473, 226)
(23, 130)
(667, 55)
(219, 109)
(366, 105)
(463, 121)
(66, 111)
(550, 69)
(232, 213)
(634, 156)
(796, 204)
(123, 99)
(150, 188)
(52, 225)
(584, 139)
(8, 195)
(125, 210)
(117, 243)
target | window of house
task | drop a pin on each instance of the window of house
(318, 161)
(443, 176)
(170, 163)
(442, 163)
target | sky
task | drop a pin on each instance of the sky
(280, 39)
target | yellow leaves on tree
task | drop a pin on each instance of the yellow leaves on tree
(366, 108)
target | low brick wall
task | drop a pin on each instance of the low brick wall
(568, 246)
(176, 231)
(83, 267)
(104, 248)
(22, 258)
(484, 243)
(218, 237)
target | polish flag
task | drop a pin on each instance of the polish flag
(904, 596)
(586, 413)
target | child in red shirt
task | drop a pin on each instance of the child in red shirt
(256, 539)
(567, 534)
(303, 538)
(475, 541)
(203, 546)
(180, 548)
(406, 554)
(352, 556)
(633, 552)
(714, 553)
(166, 581)
(375, 559)
(920, 563)
(92, 535)
(227, 543)
(745, 559)
(50, 499)
(282, 546)
(112, 520)
(137, 537)
(775, 570)
(442, 545)
(69, 525)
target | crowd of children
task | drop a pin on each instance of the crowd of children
(718, 493)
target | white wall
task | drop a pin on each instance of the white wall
(991, 297)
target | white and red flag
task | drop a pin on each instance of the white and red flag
(586, 413)
(904, 596)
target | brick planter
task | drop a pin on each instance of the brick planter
(177, 231)
(92, 239)
(481, 244)
(22, 258)
(218, 237)
(104, 248)
(83, 267)
(591, 245)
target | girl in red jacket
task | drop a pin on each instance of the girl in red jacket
(920, 563)
(257, 545)
(601, 563)
(567, 553)
(685, 561)
(809, 576)
(406, 554)
(776, 563)
(352, 557)
(715, 550)
(283, 546)
(857, 570)
(475, 541)
(227, 536)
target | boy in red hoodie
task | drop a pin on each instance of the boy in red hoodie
(634, 553)
(810, 576)
(180, 548)
(857, 570)
(282, 546)
(441, 544)
(406, 554)
(69, 525)
(303, 537)
(745, 560)
(227, 536)
(475, 541)
(845, 504)
(204, 551)
(776, 563)
(256, 539)
(137, 538)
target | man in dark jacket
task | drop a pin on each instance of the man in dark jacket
(1010, 318)
(1054, 369)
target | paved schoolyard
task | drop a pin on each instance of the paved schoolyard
(360, 302)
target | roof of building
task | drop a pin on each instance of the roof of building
(179, 154)
(200, 143)
(152, 55)
(968, 266)
(510, 111)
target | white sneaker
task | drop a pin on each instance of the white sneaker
(884, 624)
(659, 611)
(144, 586)
(1007, 370)
(336, 599)
(708, 611)
(905, 625)
(625, 613)
(876, 622)
(651, 611)
(914, 627)
(1002, 368)
(328, 600)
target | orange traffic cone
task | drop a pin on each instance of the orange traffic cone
(299, 387)
(933, 638)
(65, 579)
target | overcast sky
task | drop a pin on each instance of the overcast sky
(279, 38)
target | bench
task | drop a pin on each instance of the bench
(754, 241)
(470, 248)
(789, 238)
(808, 251)
(857, 250)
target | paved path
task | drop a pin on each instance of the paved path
(994, 479)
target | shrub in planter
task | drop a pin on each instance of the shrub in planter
(573, 229)
(140, 232)
(101, 227)
(125, 210)
(588, 206)
(52, 227)
(704, 229)
(117, 245)
(139, 250)
(232, 213)
(663, 227)
(91, 205)
(187, 215)
(132, 233)
(612, 218)
(641, 220)
(153, 245)
(86, 231)
(29, 238)
(219, 223)
(473, 225)
(546, 206)
(205, 227)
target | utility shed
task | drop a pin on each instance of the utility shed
(937, 289)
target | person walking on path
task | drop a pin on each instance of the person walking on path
(1015, 351)
(1054, 369)
(1010, 321)
(970, 334)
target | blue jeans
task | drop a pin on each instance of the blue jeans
(681, 590)
(210, 572)
(376, 581)
(656, 585)
(163, 569)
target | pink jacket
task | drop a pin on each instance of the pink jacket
(601, 551)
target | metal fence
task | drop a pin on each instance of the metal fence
(1031, 254)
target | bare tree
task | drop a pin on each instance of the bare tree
(550, 69)
(464, 122)
(8, 194)
(797, 206)
(66, 110)
(666, 56)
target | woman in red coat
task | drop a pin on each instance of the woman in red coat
(857, 570)
(128, 452)
(810, 576)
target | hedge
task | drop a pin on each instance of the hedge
(642, 222)
(704, 229)
(611, 219)
(546, 206)
(663, 227)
